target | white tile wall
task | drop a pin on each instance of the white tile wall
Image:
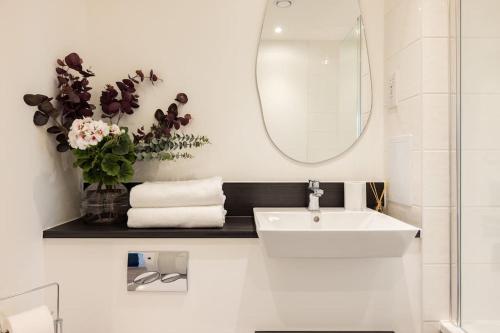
(412, 215)
(435, 18)
(480, 66)
(436, 120)
(410, 70)
(435, 69)
(436, 292)
(436, 178)
(407, 119)
(480, 292)
(436, 235)
(417, 49)
(480, 186)
(481, 232)
(404, 17)
(481, 19)
(480, 116)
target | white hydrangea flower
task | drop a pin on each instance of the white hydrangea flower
(115, 130)
(87, 132)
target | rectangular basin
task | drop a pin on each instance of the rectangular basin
(294, 233)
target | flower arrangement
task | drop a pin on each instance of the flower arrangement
(103, 150)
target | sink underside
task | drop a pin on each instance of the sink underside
(293, 233)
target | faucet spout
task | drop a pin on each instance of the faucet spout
(314, 196)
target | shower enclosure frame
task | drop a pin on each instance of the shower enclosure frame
(456, 131)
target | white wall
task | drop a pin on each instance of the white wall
(39, 188)
(234, 288)
(208, 49)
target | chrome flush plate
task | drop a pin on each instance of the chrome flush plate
(165, 271)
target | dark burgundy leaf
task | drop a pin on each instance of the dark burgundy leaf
(68, 122)
(121, 86)
(63, 147)
(54, 130)
(126, 96)
(61, 138)
(140, 74)
(177, 125)
(40, 118)
(129, 83)
(60, 62)
(113, 108)
(159, 115)
(184, 121)
(46, 107)
(73, 97)
(125, 107)
(173, 108)
(182, 98)
(86, 112)
(34, 100)
(85, 96)
(170, 116)
(74, 61)
(166, 131)
(62, 80)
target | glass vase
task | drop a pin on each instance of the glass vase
(103, 204)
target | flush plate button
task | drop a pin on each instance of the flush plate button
(165, 271)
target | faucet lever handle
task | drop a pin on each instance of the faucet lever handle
(313, 184)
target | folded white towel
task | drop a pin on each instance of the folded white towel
(177, 217)
(202, 192)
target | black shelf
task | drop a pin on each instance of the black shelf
(235, 227)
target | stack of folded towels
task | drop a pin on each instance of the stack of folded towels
(180, 204)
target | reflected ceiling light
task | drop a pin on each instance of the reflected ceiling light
(283, 3)
(278, 30)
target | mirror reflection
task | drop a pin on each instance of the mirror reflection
(313, 77)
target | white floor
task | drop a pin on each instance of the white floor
(482, 326)
(472, 327)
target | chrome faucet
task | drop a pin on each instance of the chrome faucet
(314, 196)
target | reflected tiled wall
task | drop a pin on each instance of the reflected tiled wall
(480, 161)
(417, 49)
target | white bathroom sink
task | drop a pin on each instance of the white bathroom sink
(293, 233)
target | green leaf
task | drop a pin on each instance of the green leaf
(121, 147)
(126, 172)
(110, 165)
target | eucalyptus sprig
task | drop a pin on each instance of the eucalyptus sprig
(169, 148)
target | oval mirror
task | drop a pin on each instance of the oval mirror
(313, 77)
